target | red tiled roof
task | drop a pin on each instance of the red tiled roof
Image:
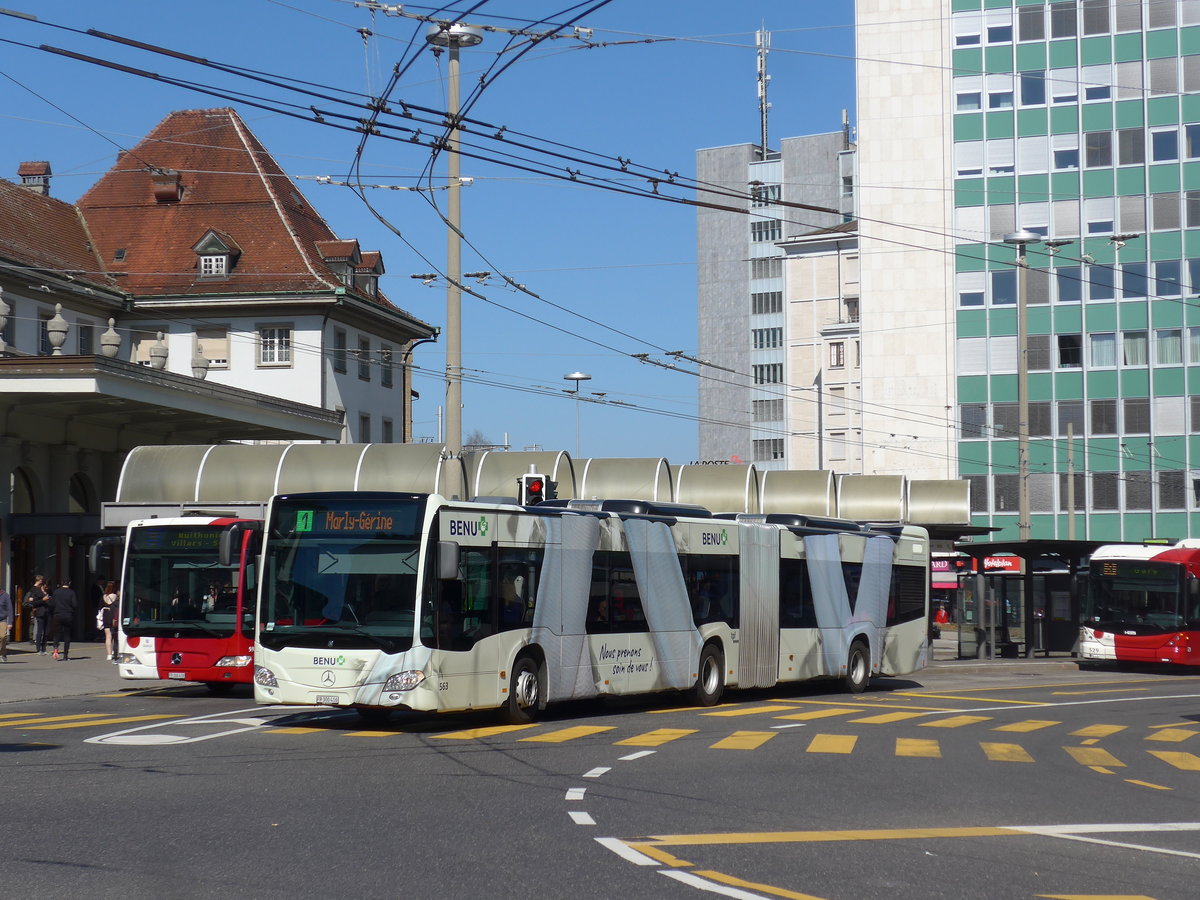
(371, 262)
(44, 233)
(230, 184)
(34, 168)
(337, 250)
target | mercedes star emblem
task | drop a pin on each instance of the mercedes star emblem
(176, 659)
(327, 678)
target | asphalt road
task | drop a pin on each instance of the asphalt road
(1009, 781)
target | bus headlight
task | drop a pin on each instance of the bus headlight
(265, 677)
(404, 681)
(235, 661)
(126, 659)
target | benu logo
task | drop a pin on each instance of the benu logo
(329, 660)
(459, 528)
(714, 539)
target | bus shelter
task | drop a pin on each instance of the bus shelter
(1021, 597)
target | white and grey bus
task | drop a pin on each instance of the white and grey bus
(383, 601)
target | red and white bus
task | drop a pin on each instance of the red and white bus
(187, 600)
(1143, 605)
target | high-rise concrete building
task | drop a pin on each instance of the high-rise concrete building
(1078, 122)
(743, 318)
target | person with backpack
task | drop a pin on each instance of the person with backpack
(37, 601)
(63, 604)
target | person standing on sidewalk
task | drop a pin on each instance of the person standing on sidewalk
(6, 623)
(108, 621)
(63, 604)
(37, 601)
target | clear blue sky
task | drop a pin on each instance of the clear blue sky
(623, 261)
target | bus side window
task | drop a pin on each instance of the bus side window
(598, 605)
(795, 602)
(625, 602)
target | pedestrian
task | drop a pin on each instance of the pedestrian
(6, 623)
(63, 604)
(37, 601)
(108, 620)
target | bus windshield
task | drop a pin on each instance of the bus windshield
(175, 582)
(341, 572)
(1135, 595)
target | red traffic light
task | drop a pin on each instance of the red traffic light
(534, 486)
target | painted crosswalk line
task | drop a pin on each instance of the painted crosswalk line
(917, 747)
(1188, 762)
(1027, 726)
(1093, 757)
(1172, 735)
(656, 738)
(999, 752)
(568, 734)
(956, 721)
(744, 740)
(832, 743)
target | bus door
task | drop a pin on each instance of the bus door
(465, 613)
(758, 646)
(669, 654)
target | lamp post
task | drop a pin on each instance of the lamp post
(1020, 239)
(576, 377)
(453, 38)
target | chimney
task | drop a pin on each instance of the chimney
(35, 176)
(167, 185)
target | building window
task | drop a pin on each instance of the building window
(213, 344)
(385, 369)
(766, 230)
(850, 305)
(1062, 20)
(364, 359)
(274, 345)
(1133, 348)
(143, 339)
(1172, 493)
(1005, 421)
(837, 355)
(44, 348)
(1103, 416)
(387, 433)
(1102, 350)
(1137, 415)
(1033, 88)
(1098, 149)
(1168, 347)
(1069, 281)
(1079, 482)
(766, 267)
(1004, 493)
(768, 373)
(767, 338)
(764, 194)
(1038, 352)
(1131, 146)
(1070, 416)
(765, 302)
(767, 410)
(1104, 490)
(1095, 16)
(1137, 490)
(1164, 144)
(339, 350)
(1070, 351)
(87, 338)
(1031, 23)
(7, 333)
(972, 419)
(1004, 287)
(770, 449)
(214, 265)
(364, 429)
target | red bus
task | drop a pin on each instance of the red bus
(1143, 605)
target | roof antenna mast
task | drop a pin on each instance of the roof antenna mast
(762, 40)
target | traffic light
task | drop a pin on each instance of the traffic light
(533, 489)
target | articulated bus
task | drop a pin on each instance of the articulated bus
(187, 602)
(1143, 605)
(383, 601)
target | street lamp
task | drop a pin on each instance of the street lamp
(576, 377)
(453, 37)
(1020, 239)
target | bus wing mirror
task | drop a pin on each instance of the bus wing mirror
(447, 560)
(230, 546)
(98, 552)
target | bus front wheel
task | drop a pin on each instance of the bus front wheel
(858, 668)
(524, 692)
(710, 677)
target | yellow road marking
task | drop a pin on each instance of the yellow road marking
(662, 856)
(1093, 756)
(956, 721)
(1080, 693)
(1102, 770)
(884, 718)
(41, 720)
(1189, 762)
(1157, 787)
(569, 734)
(296, 730)
(820, 837)
(120, 696)
(1095, 897)
(24, 715)
(1027, 725)
(1005, 752)
(1173, 735)
(1098, 731)
(753, 885)
(747, 711)
(675, 709)
(863, 706)
(980, 699)
(472, 734)
(918, 747)
(100, 721)
(832, 743)
(744, 740)
(819, 714)
(370, 733)
(656, 738)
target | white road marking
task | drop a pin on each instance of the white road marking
(791, 725)
(596, 772)
(1080, 832)
(711, 886)
(581, 818)
(637, 755)
(146, 735)
(575, 794)
(627, 853)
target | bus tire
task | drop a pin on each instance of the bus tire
(858, 668)
(524, 692)
(710, 677)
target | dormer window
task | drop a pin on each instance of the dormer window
(217, 254)
(214, 265)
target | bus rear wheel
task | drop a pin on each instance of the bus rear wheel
(524, 692)
(858, 668)
(710, 677)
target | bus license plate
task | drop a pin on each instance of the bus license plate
(176, 675)
(332, 699)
